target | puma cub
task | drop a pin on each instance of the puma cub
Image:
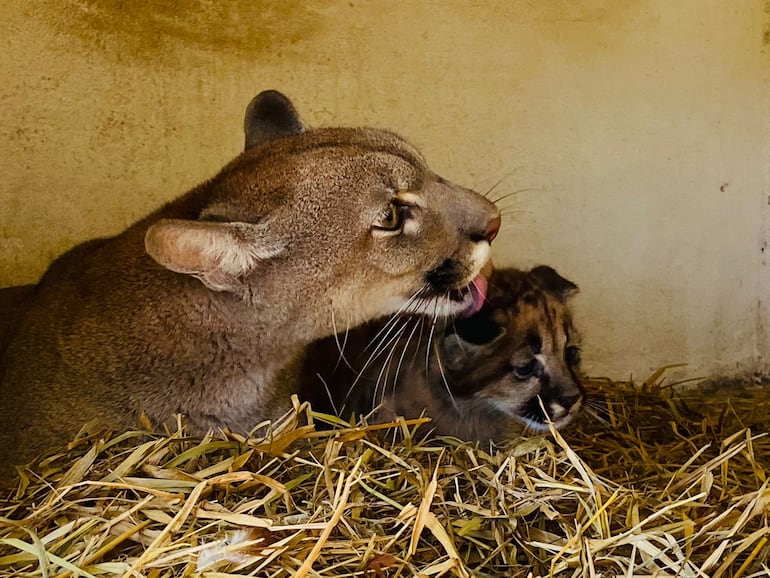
(203, 307)
(514, 365)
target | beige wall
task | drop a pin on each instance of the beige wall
(637, 131)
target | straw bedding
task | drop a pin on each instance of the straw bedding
(652, 481)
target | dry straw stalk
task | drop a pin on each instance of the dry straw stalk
(653, 481)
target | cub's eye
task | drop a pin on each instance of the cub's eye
(527, 370)
(572, 354)
(390, 219)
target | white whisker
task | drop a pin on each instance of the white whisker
(512, 193)
(443, 377)
(378, 350)
(382, 376)
(430, 337)
(341, 347)
(417, 322)
(387, 327)
(404, 350)
(328, 394)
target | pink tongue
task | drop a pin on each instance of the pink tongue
(478, 289)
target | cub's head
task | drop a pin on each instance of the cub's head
(339, 226)
(520, 354)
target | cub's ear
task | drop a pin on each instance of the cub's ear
(457, 354)
(469, 339)
(270, 115)
(219, 254)
(478, 329)
(549, 280)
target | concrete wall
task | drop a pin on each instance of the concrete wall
(636, 131)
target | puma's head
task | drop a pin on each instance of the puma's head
(340, 225)
(520, 354)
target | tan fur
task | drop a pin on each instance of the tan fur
(202, 306)
(464, 376)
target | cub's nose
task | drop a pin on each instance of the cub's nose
(570, 400)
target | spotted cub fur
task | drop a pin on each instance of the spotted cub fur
(512, 366)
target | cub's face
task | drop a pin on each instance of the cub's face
(349, 223)
(520, 355)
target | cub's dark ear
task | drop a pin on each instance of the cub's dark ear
(270, 115)
(478, 329)
(463, 351)
(550, 281)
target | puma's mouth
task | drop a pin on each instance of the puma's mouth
(464, 302)
(471, 298)
(452, 300)
(476, 293)
(442, 295)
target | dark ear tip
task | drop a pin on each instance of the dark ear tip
(270, 115)
(267, 103)
(479, 329)
(550, 280)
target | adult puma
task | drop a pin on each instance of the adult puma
(203, 307)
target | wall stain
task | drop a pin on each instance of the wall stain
(588, 26)
(586, 11)
(152, 30)
(766, 28)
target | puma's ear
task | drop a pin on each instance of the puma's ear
(549, 280)
(270, 115)
(219, 254)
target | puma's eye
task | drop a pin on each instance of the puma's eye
(572, 354)
(527, 370)
(390, 220)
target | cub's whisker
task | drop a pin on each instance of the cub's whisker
(590, 411)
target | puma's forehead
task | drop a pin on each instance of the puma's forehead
(362, 139)
(318, 160)
(332, 155)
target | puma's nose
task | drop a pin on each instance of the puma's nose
(492, 229)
